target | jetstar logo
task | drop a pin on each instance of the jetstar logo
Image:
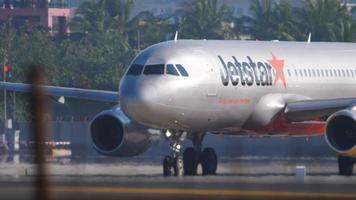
(248, 73)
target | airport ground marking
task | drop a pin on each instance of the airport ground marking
(191, 192)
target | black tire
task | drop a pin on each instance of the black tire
(167, 166)
(178, 165)
(209, 161)
(191, 161)
(346, 165)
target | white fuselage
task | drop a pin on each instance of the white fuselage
(227, 80)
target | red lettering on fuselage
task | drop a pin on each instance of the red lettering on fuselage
(243, 101)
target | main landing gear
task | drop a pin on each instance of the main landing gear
(177, 165)
(346, 165)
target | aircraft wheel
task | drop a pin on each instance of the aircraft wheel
(209, 161)
(167, 166)
(191, 161)
(346, 165)
(178, 166)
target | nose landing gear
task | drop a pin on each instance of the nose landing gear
(193, 156)
(173, 164)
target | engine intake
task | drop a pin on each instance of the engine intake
(112, 129)
(113, 134)
(341, 132)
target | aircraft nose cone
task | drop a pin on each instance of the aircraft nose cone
(137, 101)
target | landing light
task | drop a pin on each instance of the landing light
(168, 134)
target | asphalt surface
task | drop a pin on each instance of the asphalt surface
(200, 187)
(241, 178)
(238, 178)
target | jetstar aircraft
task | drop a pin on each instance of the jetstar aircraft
(186, 89)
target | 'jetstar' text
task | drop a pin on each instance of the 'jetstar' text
(245, 73)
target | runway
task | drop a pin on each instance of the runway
(241, 178)
(157, 187)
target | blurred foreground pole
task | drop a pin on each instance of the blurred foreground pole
(39, 131)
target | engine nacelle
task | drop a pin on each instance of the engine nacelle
(341, 132)
(114, 134)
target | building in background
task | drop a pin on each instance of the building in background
(351, 4)
(56, 14)
(53, 14)
(167, 8)
(75, 3)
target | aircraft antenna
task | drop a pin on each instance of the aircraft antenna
(176, 37)
(309, 38)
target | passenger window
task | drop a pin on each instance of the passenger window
(309, 72)
(154, 69)
(335, 73)
(135, 70)
(171, 70)
(348, 73)
(182, 71)
(327, 73)
(295, 72)
(301, 73)
(331, 72)
(322, 73)
(317, 71)
(343, 73)
(289, 73)
(313, 72)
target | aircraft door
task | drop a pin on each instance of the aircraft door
(211, 91)
(210, 73)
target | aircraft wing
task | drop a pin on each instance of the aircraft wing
(310, 109)
(278, 112)
(94, 95)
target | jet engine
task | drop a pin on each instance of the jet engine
(113, 134)
(341, 132)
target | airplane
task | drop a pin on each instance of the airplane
(185, 89)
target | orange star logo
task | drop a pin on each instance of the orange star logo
(278, 65)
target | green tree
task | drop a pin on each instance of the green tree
(95, 65)
(99, 59)
(327, 20)
(151, 29)
(273, 21)
(205, 19)
(262, 25)
(89, 17)
(285, 23)
(18, 48)
(119, 16)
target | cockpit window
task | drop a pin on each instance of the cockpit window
(171, 70)
(182, 71)
(135, 70)
(154, 69)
